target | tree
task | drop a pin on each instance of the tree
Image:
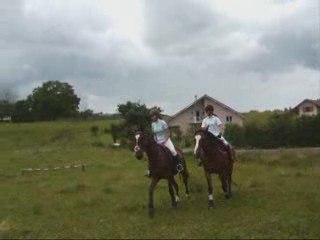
(136, 115)
(8, 95)
(7, 99)
(235, 135)
(22, 111)
(54, 100)
(86, 114)
(6, 109)
(281, 130)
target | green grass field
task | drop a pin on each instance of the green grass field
(277, 193)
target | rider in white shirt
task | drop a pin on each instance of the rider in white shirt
(214, 125)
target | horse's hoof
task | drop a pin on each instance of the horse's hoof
(228, 195)
(174, 206)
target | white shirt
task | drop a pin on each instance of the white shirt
(212, 123)
(159, 129)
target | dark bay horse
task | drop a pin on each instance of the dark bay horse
(162, 166)
(215, 160)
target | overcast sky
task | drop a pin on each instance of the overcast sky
(248, 54)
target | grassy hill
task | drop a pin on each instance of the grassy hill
(277, 195)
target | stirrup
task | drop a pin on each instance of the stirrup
(179, 167)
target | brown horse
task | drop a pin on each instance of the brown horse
(215, 160)
(162, 166)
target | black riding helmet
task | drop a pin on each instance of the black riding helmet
(155, 111)
(209, 108)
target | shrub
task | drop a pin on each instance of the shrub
(98, 144)
(94, 130)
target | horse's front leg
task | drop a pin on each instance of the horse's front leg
(152, 186)
(171, 191)
(176, 188)
(225, 185)
(229, 182)
(210, 190)
(185, 177)
(230, 178)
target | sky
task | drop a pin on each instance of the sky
(248, 54)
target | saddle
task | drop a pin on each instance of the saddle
(175, 160)
(216, 140)
(167, 151)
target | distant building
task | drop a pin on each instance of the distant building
(194, 113)
(308, 107)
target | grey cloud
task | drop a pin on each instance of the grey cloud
(194, 49)
(183, 27)
(61, 45)
(293, 41)
(186, 29)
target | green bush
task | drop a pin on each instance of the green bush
(235, 135)
(94, 130)
(282, 129)
(98, 144)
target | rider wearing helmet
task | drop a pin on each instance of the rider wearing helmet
(161, 135)
(213, 125)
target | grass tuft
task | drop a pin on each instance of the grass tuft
(73, 188)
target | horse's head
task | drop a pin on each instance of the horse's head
(199, 136)
(141, 144)
(205, 141)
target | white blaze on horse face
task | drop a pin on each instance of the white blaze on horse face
(197, 137)
(137, 148)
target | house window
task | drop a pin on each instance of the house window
(229, 119)
(308, 109)
(197, 116)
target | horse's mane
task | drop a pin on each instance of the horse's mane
(199, 131)
(147, 135)
(214, 140)
(152, 144)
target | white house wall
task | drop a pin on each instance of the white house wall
(185, 118)
(308, 104)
